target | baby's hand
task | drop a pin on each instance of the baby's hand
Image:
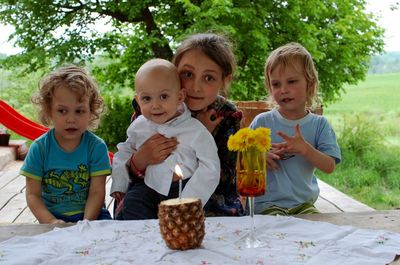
(118, 196)
(291, 145)
(175, 177)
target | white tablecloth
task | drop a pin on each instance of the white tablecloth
(288, 240)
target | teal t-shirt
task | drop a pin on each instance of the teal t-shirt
(65, 176)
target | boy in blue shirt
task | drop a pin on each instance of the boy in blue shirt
(66, 168)
(301, 140)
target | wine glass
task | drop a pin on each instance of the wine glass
(251, 182)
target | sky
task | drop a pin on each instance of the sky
(388, 19)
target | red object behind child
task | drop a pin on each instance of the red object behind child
(21, 125)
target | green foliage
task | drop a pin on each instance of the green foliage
(373, 179)
(17, 89)
(116, 121)
(370, 167)
(359, 136)
(340, 35)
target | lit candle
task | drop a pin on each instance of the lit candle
(178, 171)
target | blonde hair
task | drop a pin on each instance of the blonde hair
(161, 65)
(77, 80)
(288, 55)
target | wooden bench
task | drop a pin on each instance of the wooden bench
(251, 109)
(331, 200)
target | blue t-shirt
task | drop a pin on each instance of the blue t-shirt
(65, 176)
(294, 183)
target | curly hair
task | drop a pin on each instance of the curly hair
(76, 79)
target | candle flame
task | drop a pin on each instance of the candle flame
(178, 171)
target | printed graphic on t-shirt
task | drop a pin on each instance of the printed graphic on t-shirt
(66, 186)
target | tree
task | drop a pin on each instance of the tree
(339, 34)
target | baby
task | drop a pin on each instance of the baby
(160, 97)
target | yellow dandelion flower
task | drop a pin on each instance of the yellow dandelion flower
(251, 139)
(233, 143)
(243, 133)
(246, 138)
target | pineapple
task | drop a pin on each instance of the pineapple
(182, 223)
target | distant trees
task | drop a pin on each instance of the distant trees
(386, 63)
(339, 34)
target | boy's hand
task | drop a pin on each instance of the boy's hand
(118, 196)
(291, 145)
(209, 118)
(271, 161)
(57, 222)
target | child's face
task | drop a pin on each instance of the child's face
(288, 87)
(159, 96)
(69, 116)
(202, 79)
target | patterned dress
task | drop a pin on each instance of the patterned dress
(225, 201)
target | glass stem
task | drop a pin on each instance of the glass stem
(251, 209)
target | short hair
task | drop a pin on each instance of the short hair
(217, 47)
(77, 80)
(287, 55)
(158, 64)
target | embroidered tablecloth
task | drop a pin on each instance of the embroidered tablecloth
(288, 240)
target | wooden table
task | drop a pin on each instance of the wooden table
(20, 229)
(386, 220)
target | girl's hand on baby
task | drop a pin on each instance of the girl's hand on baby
(118, 196)
(155, 150)
(291, 145)
(209, 118)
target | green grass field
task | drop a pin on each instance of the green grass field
(378, 99)
(378, 94)
(367, 122)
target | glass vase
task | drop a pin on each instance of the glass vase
(251, 182)
(250, 170)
